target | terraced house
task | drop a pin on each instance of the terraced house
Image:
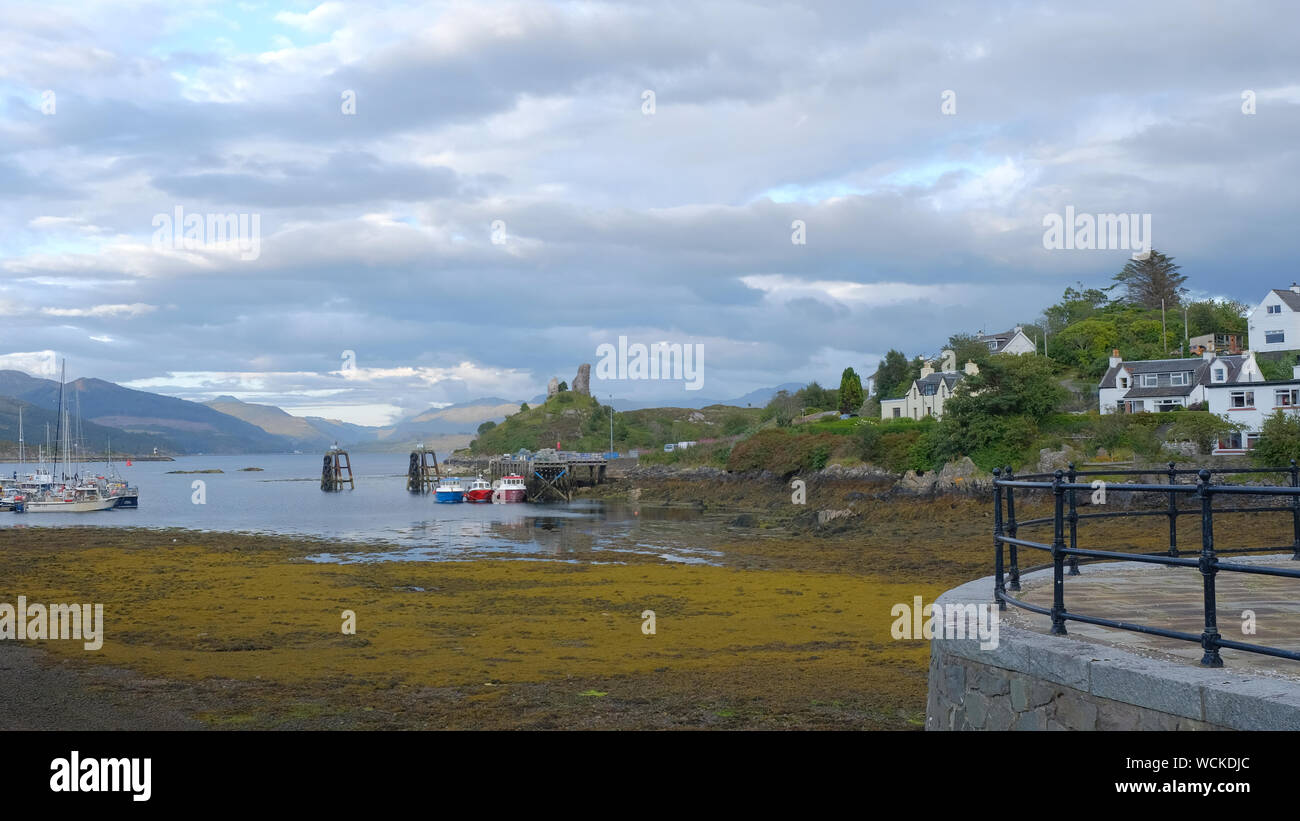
(1165, 384)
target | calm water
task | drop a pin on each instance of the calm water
(285, 498)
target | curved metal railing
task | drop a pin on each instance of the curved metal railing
(1065, 488)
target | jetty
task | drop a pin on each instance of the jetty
(336, 471)
(552, 474)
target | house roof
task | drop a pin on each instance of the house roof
(1291, 298)
(1004, 339)
(1199, 367)
(949, 377)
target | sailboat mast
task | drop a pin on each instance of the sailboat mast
(20, 435)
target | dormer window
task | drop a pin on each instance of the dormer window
(1150, 380)
(1123, 381)
(1220, 374)
(1178, 378)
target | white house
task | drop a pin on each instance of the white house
(1012, 341)
(1250, 405)
(1274, 325)
(928, 394)
(1165, 384)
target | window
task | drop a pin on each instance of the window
(1150, 380)
(1165, 405)
(1220, 374)
(1274, 337)
(898, 412)
(1252, 439)
(1275, 309)
(1123, 381)
(1230, 442)
(1135, 406)
(1241, 399)
(1286, 398)
(1179, 378)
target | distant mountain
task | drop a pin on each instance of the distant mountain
(95, 438)
(274, 421)
(461, 418)
(187, 427)
(345, 433)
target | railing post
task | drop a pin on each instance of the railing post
(1074, 525)
(1173, 512)
(998, 584)
(1295, 513)
(1208, 566)
(1058, 558)
(1014, 582)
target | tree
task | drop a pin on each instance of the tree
(523, 406)
(893, 370)
(1148, 281)
(968, 348)
(1086, 344)
(486, 426)
(815, 396)
(1201, 427)
(782, 408)
(562, 387)
(1279, 440)
(1216, 316)
(993, 416)
(850, 391)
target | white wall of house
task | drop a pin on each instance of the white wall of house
(1250, 404)
(1273, 325)
(915, 405)
(1108, 399)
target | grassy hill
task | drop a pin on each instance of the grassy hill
(581, 423)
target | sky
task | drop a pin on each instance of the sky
(448, 201)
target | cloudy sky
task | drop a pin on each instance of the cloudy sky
(522, 182)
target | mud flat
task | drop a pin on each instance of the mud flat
(235, 631)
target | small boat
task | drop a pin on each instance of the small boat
(509, 489)
(480, 490)
(449, 491)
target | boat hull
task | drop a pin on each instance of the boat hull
(83, 506)
(508, 496)
(479, 496)
(130, 500)
(449, 497)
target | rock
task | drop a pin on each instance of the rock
(582, 382)
(552, 387)
(1050, 461)
(696, 417)
(824, 516)
(914, 482)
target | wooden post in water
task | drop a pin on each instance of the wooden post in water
(336, 470)
(423, 476)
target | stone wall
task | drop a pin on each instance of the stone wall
(1036, 681)
(968, 695)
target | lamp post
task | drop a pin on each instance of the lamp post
(611, 423)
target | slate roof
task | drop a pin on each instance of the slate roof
(950, 377)
(1003, 339)
(1198, 366)
(1291, 298)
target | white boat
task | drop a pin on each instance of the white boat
(509, 489)
(58, 503)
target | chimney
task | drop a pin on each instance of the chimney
(926, 370)
(1208, 356)
(1115, 358)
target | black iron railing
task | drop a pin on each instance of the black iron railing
(1064, 486)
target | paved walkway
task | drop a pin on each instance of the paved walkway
(1172, 598)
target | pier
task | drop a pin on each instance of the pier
(552, 475)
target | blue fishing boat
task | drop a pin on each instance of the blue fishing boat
(449, 491)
